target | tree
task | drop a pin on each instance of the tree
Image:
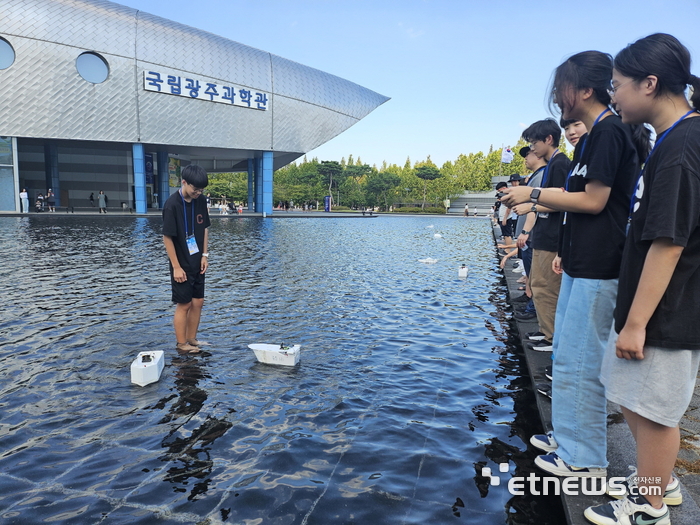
(330, 169)
(427, 172)
(379, 184)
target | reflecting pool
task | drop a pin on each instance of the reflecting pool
(408, 385)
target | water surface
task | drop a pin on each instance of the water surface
(409, 382)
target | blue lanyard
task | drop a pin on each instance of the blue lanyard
(545, 175)
(656, 145)
(184, 214)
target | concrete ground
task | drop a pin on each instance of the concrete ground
(621, 446)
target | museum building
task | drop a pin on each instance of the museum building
(96, 96)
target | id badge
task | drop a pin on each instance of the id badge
(192, 245)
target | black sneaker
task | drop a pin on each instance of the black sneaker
(525, 316)
(541, 346)
(545, 389)
(548, 372)
(535, 336)
(521, 299)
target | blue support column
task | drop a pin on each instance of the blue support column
(251, 194)
(51, 170)
(258, 185)
(163, 178)
(139, 178)
(267, 170)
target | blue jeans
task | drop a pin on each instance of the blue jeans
(582, 326)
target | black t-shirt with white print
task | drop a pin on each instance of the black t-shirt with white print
(667, 205)
(591, 245)
(174, 226)
(546, 230)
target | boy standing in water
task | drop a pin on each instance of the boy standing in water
(186, 238)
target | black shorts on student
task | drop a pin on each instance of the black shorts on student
(192, 288)
(506, 230)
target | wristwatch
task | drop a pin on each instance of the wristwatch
(533, 208)
(535, 194)
(205, 254)
(525, 232)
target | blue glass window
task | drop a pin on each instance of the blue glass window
(92, 67)
(7, 54)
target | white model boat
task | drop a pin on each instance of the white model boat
(287, 355)
(147, 367)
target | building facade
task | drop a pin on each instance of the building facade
(99, 96)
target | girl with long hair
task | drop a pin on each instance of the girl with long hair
(596, 200)
(651, 367)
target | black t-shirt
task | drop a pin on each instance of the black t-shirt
(546, 229)
(591, 245)
(667, 204)
(174, 226)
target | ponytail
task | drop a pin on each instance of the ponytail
(695, 96)
(641, 137)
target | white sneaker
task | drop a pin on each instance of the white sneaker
(672, 494)
(519, 269)
(544, 442)
(633, 510)
(555, 465)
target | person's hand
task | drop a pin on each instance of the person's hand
(502, 264)
(523, 209)
(556, 265)
(630, 343)
(204, 264)
(516, 195)
(522, 239)
(179, 275)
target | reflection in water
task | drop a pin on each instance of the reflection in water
(409, 381)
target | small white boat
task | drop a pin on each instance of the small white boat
(428, 260)
(437, 236)
(277, 354)
(147, 367)
(464, 271)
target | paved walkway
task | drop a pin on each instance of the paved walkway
(621, 447)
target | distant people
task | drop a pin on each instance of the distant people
(24, 199)
(476, 211)
(40, 199)
(466, 209)
(38, 204)
(186, 238)
(102, 201)
(51, 200)
(92, 200)
(208, 200)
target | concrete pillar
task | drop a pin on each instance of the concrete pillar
(258, 184)
(9, 175)
(51, 170)
(139, 178)
(163, 178)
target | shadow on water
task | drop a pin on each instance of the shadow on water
(410, 381)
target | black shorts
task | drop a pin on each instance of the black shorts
(506, 230)
(192, 288)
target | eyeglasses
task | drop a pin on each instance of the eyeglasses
(613, 89)
(532, 144)
(199, 191)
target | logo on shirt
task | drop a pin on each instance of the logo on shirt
(638, 194)
(579, 171)
(200, 219)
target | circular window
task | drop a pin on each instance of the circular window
(92, 67)
(7, 54)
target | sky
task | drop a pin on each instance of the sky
(463, 75)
